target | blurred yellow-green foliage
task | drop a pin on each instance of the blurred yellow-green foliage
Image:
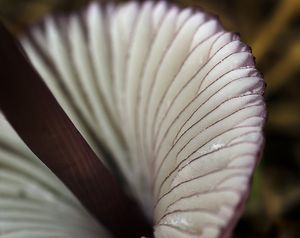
(272, 29)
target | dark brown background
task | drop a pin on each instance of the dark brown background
(272, 29)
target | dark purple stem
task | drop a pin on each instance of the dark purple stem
(42, 124)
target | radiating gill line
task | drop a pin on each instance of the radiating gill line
(84, 71)
(189, 164)
(217, 190)
(120, 80)
(147, 133)
(34, 49)
(162, 161)
(140, 136)
(51, 224)
(185, 85)
(131, 131)
(180, 113)
(214, 109)
(195, 97)
(71, 78)
(197, 135)
(173, 81)
(203, 103)
(234, 173)
(166, 156)
(227, 144)
(201, 92)
(177, 167)
(106, 123)
(13, 147)
(187, 54)
(86, 127)
(205, 155)
(25, 168)
(216, 122)
(27, 204)
(173, 10)
(245, 78)
(110, 97)
(21, 179)
(103, 99)
(180, 184)
(244, 48)
(151, 102)
(245, 108)
(16, 216)
(146, 98)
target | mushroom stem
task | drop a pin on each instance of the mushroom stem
(42, 124)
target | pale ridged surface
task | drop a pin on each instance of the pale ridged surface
(174, 97)
(33, 202)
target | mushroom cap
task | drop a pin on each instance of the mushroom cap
(173, 96)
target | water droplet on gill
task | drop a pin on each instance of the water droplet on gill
(178, 220)
(216, 146)
(248, 93)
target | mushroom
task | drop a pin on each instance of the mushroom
(168, 100)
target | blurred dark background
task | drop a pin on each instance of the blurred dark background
(272, 29)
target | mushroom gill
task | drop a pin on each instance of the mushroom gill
(174, 98)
